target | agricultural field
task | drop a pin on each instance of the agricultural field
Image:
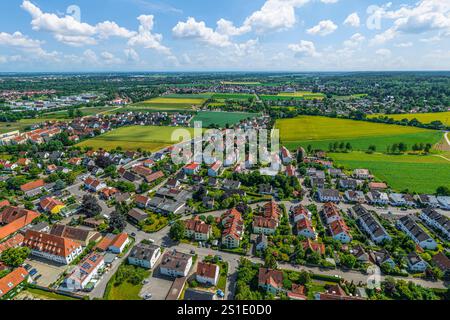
(319, 132)
(306, 95)
(176, 103)
(221, 119)
(21, 125)
(232, 96)
(425, 118)
(351, 97)
(241, 83)
(422, 174)
(149, 138)
(63, 114)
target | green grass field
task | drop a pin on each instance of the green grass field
(22, 125)
(351, 97)
(150, 138)
(319, 132)
(425, 118)
(422, 174)
(86, 112)
(232, 96)
(176, 102)
(221, 118)
(307, 95)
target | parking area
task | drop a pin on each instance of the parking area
(158, 286)
(47, 271)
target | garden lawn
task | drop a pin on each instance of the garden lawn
(422, 174)
(149, 138)
(319, 132)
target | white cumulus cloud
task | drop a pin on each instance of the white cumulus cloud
(324, 28)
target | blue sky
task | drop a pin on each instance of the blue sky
(224, 35)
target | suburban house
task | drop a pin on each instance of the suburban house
(233, 232)
(416, 233)
(336, 225)
(144, 255)
(370, 224)
(381, 257)
(12, 219)
(270, 280)
(348, 184)
(191, 168)
(263, 225)
(286, 156)
(378, 186)
(261, 242)
(33, 188)
(305, 228)
(51, 205)
(300, 212)
(175, 264)
(119, 243)
(84, 272)
(377, 198)
(340, 231)
(330, 212)
(436, 220)
(11, 281)
(335, 293)
(154, 176)
(354, 196)
(136, 215)
(51, 247)
(426, 200)
(94, 185)
(416, 263)
(215, 168)
(444, 202)
(328, 195)
(360, 254)
(113, 243)
(197, 229)
(142, 201)
(363, 174)
(108, 193)
(400, 200)
(80, 235)
(207, 273)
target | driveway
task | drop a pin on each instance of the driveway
(158, 286)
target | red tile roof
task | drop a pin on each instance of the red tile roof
(119, 240)
(12, 280)
(13, 242)
(154, 176)
(32, 185)
(270, 277)
(207, 270)
(49, 243)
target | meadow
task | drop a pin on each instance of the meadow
(232, 96)
(319, 132)
(149, 138)
(425, 118)
(171, 103)
(221, 118)
(422, 174)
(307, 95)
